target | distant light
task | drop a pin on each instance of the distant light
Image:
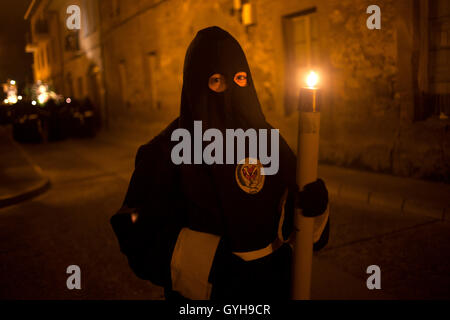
(12, 99)
(12, 82)
(312, 79)
(6, 101)
(42, 89)
(237, 5)
(247, 14)
(42, 98)
(33, 103)
(68, 100)
(19, 97)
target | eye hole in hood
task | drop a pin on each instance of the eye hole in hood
(240, 79)
(217, 83)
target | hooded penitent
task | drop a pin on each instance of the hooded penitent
(242, 205)
(229, 200)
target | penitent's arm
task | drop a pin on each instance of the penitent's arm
(148, 243)
(158, 244)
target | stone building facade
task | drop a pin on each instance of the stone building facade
(70, 61)
(385, 93)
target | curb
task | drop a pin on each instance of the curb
(389, 201)
(29, 193)
(35, 189)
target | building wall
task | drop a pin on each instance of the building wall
(369, 77)
(41, 67)
(73, 73)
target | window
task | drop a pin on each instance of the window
(305, 41)
(440, 56)
(434, 67)
(301, 51)
(72, 41)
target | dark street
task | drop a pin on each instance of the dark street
(69, 224)
(205, 152)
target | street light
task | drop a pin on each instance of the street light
(42, 94)
(12, 99)
(42, 98)
(307, 163)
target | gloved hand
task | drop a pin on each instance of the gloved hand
(313, 199)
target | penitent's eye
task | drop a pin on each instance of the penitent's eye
(241, 79)
(217, 83)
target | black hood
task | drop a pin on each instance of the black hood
(212, 51)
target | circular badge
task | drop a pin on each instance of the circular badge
(249, 175)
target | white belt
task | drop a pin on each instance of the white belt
(260, 253)
(278, 242)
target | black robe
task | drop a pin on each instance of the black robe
(208, 198)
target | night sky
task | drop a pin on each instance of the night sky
(15, 63)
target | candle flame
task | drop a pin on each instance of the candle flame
(312, 79)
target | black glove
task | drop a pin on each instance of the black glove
(124, 228)
(313, 200)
